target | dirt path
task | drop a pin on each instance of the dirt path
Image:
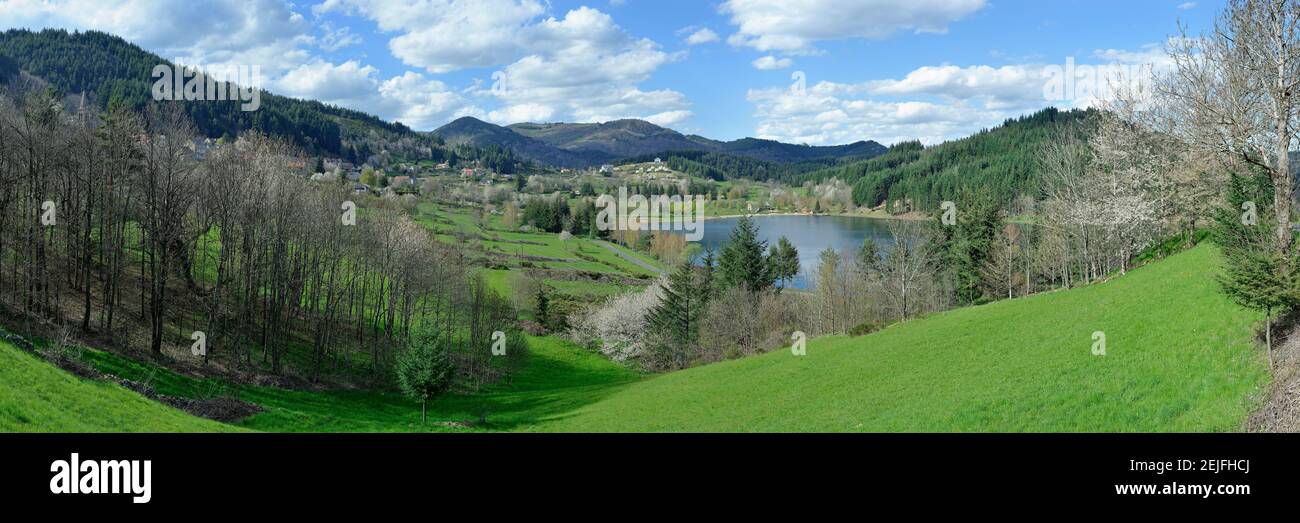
(628, 257)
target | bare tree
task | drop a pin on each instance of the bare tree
(1233, 92)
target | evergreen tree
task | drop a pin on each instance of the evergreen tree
(675, 319)
(742, 263)
(708, 271)
(784, 259)
(424, 369)
(1253, 274)
(964, 247)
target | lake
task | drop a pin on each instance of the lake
(809, 234)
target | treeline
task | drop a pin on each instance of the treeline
(112, 227)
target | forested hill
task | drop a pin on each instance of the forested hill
(110, 69)
(1003, 160)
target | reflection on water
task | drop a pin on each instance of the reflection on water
(809, 234)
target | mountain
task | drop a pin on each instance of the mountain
(469, 131)
(610, 140)
(778, 152)
(587, 144)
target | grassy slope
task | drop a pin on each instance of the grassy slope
(1179, 358)
(560, 378)
(36, 396)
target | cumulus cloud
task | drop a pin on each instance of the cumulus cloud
(770, 63)
(410, 98)
(585, 68)
(793, 26)
(580, 67)
(447, 35)
(943, 102)
(702, 36)
(266, 33)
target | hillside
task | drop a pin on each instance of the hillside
(1179, 358)
(1015, 365)
(110, 69)
(1002, 160)
(38, 397)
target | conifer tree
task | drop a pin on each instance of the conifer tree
(742, 263)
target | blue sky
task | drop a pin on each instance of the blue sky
(870, 69)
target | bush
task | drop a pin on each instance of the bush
(865, 328)
(618, 326)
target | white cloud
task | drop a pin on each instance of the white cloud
(1187, 5)
(702, 36)
(586, 68)
(944, 102)
(266, 33)
(793, 26)
(770, 63)
(524, 112)
(581, 67)
(447, 35)
(820, 116)
(409, 98)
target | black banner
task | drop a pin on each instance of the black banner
(318, 472)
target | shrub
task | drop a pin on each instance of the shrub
(618, 326)
(865, 328)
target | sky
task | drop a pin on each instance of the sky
(820, 72)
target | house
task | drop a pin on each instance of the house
(360, 188)
(468, 173)
(444, 166)
(201, 147)
(607, 169)
(399, 181)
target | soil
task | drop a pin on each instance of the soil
(1281, 409)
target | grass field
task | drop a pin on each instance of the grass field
(38, 397)
(1179, 357)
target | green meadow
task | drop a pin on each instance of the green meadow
(1178, 357)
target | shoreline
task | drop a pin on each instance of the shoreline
(846, 215)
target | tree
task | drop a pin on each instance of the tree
(510, 217)
(1253, 275)
(675, 319)
(742, 263)
(1232, 92)
(784, 258)
(424, 369)
(906, 269)
(999, 270)
(964, 246)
